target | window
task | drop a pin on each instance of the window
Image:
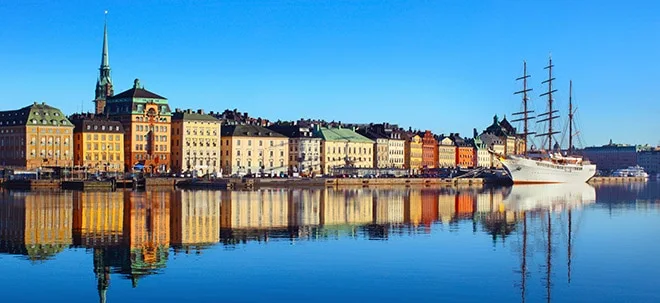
(249, 142)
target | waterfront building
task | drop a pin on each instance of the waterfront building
(146, 118)
(496, 144)
(611, 156)
(104, 87)
(482, 156)
(252, 149)
(649, 160)
(513, 143)
(380, 146)
(446, 151)
(429, 150)
(343, 147)
(35, 136)
(413, 152)
(98, 143)
(304, 148)
(195, 143)
(396, 149)
(464, 152)
(389, 145)
(195, 219)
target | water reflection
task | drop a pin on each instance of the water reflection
(131, 234)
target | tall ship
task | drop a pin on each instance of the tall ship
(549, 165)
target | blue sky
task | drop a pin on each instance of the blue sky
(447, 66)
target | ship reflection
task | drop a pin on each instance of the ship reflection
(132, 234)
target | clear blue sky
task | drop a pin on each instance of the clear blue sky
(447, 66)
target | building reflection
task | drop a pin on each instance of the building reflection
(195, 220)
(35, 224)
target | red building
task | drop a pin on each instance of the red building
(429, 150)
(465, 152)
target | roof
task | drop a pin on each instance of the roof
(191, 115)
(248, 131)
(341, 134)
(292, 131)
(136, 92)
(95, 123)
(35, 114)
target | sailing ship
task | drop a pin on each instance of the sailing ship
(551, 165)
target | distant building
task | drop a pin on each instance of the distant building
(380, 147)
(413, 152)
(464, 152)
(304, 148)
(513, 143)
(482, 155)
(446, 151)
(389, 146)
(252, 149)
(98, 143)
(649, 160)
(146, 118)
(195, 142)
(237, 118)
(611, 156)
(343, 147)
(35, 136)
(396, 149)
(429, 150)
(496, 144)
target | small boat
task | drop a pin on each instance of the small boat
(632, 171)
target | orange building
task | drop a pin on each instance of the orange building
(98, 143)
(465, 154)
(429, 150)
(146, 118)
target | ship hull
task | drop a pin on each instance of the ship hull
(530, 171)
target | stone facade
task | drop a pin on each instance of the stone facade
(413, 153)
(252, 149)
(98, 143)
(195, 143)
(146, 118)
(343, 147)
(429, 150)
(304, 148)
(35, 136)
(446, 151)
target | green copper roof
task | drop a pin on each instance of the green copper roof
(35, 114)
(341, 134)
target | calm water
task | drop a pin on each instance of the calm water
(530, 243)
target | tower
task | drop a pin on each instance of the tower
(104, 82)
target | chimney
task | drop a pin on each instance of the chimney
(200, 111)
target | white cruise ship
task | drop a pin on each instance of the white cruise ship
(546, 166)
(632, 171)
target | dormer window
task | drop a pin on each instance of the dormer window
(89, 127)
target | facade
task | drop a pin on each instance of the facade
(429, 150)
(496, 144)
(98, 143)
(396, 150)
(464, 152)
(611, 156)
(104, 87)
(413, 153)
(304, 148)
(381, 144)
(389, 145)
(35, 136)
(195, 143)
(146, 118)
(446, 151)
(513, 144)
(343, 147)
(482, 156)
(650, 161)
(252, 149)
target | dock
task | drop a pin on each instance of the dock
(598, 180)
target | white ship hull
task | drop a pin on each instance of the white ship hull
(523, 170)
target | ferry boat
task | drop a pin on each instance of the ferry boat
(632, 171)
(551, 165)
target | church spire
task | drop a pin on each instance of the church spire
(104, 82)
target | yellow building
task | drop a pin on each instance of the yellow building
(195, 218)
(98, 218)
(98, 143)
(195, 143)
(35, 136)
(413, 153)
(252, 149)
(342, 147)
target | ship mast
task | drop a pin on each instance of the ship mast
(550, 111)
(525, 113)
(570, 118)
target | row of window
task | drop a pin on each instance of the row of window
(261, 153)
(103, 127)
(353, 150)
(149, 157)
(261, 164)
(103, 137)
(103, 156)
(153, 128)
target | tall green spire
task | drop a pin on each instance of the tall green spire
(104, 87)
(105, 63)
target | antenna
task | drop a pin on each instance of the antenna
(550, 111)
(525, 113)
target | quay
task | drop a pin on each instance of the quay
(597, 180)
